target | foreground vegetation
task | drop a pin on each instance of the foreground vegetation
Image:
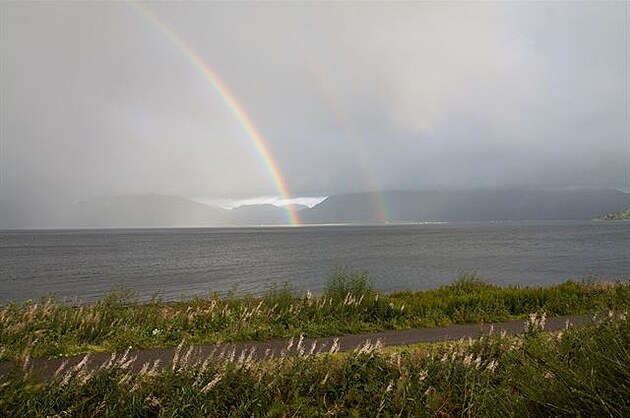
(615, 216)
(349, 304)
(578, 372)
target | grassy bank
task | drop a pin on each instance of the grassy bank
(348, 305)
(578, 372)
(622, 215)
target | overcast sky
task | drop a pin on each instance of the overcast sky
(98, 100)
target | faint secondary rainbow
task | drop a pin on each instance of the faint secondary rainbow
(232, 104)
(379, 202)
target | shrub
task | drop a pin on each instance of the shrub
(343, 283)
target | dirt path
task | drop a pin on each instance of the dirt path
(259, 350)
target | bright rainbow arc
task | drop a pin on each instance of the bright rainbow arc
(233, 105)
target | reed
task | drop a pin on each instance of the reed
(350, 304)
(576, 372)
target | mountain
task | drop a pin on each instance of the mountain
(471, 205)
(141, 211)
(392, 206)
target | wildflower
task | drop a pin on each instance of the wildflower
(335, 346)
(250, 356)
(81, 364)
(66, 378)
(175, 355)
(125, 378)
(152, 401)
(468, 359)
(27, 360)
(365, 348)
(477, 362)
(378, 345)
(241, 358)
(110, 363)
(155, 331)
(423, 375)
(212, 383)
(127, 364)
(536, 323)
(187, 355)
(204, 365)
(325, 379)
(390, 386)
(492, 365)
(395, 357)
(156, 364)
(61, 367)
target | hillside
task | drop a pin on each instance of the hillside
(142, 211)
(393, 206)
(472, 205)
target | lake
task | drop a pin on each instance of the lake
(180, 263)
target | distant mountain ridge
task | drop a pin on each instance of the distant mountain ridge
(393, 206)
(146, 211)
(471, 205)
(142, 211)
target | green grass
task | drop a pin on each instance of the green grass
(615, 216)
(577, 372)
(349, 304)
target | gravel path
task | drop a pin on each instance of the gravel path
(259, 350)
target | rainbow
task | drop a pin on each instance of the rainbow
(382, 212)
(211, 76)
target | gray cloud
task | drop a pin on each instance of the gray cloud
(99, 101)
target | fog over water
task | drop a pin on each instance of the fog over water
(99, 100)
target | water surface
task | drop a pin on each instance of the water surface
(186, 262)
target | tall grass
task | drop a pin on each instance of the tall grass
(577, 372)
(349, 304)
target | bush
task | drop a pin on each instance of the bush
(344, 283)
